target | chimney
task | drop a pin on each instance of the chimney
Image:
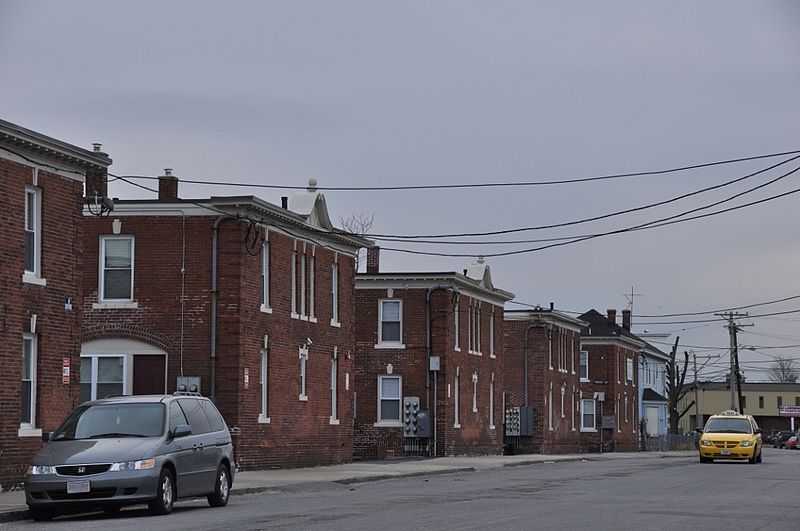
(612, 316)
(552, 306)
(285, 202)
(373, 259)
(167, 186)
(97, 178)
(626, 320)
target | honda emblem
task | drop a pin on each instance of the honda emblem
(81, 470)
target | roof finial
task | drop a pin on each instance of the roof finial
(481, 259)
(312, 185)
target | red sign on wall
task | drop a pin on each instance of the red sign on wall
(789, 411)
(246, 378)
(65, 371)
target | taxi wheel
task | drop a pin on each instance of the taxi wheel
(705, 459)
(753, 460)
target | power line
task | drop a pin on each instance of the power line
(420, 238)
(717, 320)
(486, 185)
(688, 314)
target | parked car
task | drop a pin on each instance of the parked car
(792, 443)
(133, 449)
(730, 435)
(781, 438)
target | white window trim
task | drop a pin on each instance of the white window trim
(265, 292)
(334, 419)
(550, 350)
(101, 289)
(594, 413)
(34, 379)
(491, 336)
(390, 423)
(131, 305)
(35, 276)
(263, 416)
(93, 377)
(572, 407)
(457, 326)
(572, 353)
(335, 295)
(550, 408)
(293, 298)
(303, 307)
(381, 342)
(312, 286)
(475, 392)
(303, 355)
(456, 400)
(491, 403)
(582, 379)
(563, 391)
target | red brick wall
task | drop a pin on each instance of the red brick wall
(57, 329)
(299, 433)
(474, 437)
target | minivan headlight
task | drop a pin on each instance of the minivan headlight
(39, 470)
(143, 464)
(706, 442)
(747, 443)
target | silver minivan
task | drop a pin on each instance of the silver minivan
(127, 450)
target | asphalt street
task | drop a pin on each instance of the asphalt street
(670, 493)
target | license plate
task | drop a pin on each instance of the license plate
(77, 487)
(724, 452)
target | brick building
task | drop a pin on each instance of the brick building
(541, 370)
(610, 353)
(41, 196)
(246, 299)
(404, 323)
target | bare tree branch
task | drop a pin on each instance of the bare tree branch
(784, 370)
(359, 224)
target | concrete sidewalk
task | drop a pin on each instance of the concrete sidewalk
(12, 503)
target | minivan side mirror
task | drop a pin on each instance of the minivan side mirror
(47, 436)
(699, 430)
(181, 430)
(759, 430)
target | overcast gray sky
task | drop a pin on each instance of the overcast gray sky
(391, 93)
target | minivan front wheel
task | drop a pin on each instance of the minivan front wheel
(222, 488)
(165, 497)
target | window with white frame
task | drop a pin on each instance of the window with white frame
(619, 367)
(588, 420)
(626, 407)
(116, 268)
(391, 322)
(456, 400)
(563, 391)
(101, 376)
(572, 408)
(572, 353)
(474, 392)
(312, 288)
(265, 276)
(629, 367)
(584, 366)
(303, 308)
(334, 386)
(550, 407)
(491, 403)
(389, 399)
(550, 350)
(457, 323)
(491, 334)
(263, 414)
(335, 294)
(478, 326)
(303, 353)
(28, 391)
(33, 234)
(294, 282)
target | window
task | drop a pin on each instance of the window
(390, 331)
(294, 283)
(116, 272)
(629, 369)
(456, 401)
(312, 281)
(33, 223)
(491, 334)
(563, 391)
(572, 354)
(457, 326)
(584, 368)
(797, 400)
(588, 415)
(626, 407)
(303, 308)
(334, 385)
(176, 416)
(389, 393)
(470, 325)
(780, 401)
(572, 408)
(474, 331)
(263, 381)
(550, 407)
(265, 277)
(197, 417)
(335, 294)
(491, 403)
(474, 392)
(28, 402)
(550, 350)
(303, 362)
(761, 402)
(102, 376)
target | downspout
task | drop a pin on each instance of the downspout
(214, 295)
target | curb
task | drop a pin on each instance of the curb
(14, 515)
(366, 479)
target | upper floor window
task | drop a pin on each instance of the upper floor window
(33, 236)
(491, 334)
(391, 321)
(335, 294)
(629, 369)
(457, 325)
(584, 366)
(116, 268)
(265, 276)
(294, 283)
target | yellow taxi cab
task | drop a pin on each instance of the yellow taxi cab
(730, 435)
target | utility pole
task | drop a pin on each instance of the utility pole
(696, 398)
(733, 328)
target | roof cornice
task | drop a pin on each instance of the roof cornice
(426, 280)
(16, 136)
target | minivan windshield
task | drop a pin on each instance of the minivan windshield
(98, 421)
(732, 425)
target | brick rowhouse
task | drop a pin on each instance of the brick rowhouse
(41, 196)
(250, 299)
(403, 320)
(612, 352)
(541, 368)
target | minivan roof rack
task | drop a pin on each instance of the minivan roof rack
(186, 393)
